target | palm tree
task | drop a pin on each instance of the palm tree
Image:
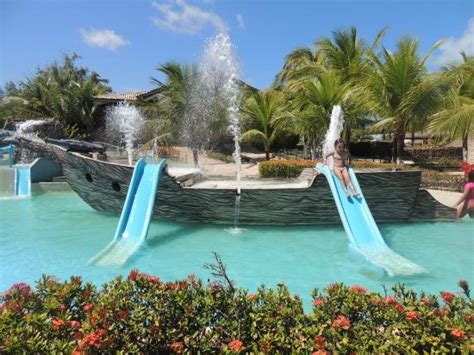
(402, 92)
(312, 103)
(264, 110)
(456, 121)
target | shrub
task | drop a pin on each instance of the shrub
(143, 314)
(284, 168)
(442, 181)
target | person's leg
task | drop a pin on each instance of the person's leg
(461, 210)
(346, 176)
(338, 173)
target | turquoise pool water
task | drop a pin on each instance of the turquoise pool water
(56, 233)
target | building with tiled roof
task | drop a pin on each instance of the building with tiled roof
(132, 96)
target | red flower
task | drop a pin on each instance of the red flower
(57, 324)
(318, 301)
(390, 299)
(426, 301)
(23, 288)
(251, 297)
(399, 307)
(153, 279)
(177, 347)
(189, 309)
(74, 324)
(439, 312)
(357, 289)
(95, 339)
(102, 312)
(412, 315)
(341, 322)
(235, 345)
(297, 298)
(457, 334)
(320, 352)
(320, 341)
(469, 317)
(133, 275)
(447, 297)
(88, 307)
(123, 314)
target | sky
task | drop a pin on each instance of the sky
(126, 40)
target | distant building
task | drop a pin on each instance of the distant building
(131, 96)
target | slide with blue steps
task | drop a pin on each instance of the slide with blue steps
(361, 229)
(136, 215)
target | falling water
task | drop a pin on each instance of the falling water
(217, 83)
(334, 132)
(26, 129)
(126, 120)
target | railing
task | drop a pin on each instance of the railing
(10, 150)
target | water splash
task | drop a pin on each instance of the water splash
(215, 90)
(27, 127)
(126, 120)
(334, 132)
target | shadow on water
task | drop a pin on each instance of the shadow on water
(158, 239)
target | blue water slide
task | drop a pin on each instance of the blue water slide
(136, 215)
(361, 229)
(10, 150)
(22, 180)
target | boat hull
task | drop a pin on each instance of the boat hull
(391, 196)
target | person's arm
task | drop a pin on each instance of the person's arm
(462, 198)
(349, 157)
(327, 156)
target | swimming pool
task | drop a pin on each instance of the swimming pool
(56, 233)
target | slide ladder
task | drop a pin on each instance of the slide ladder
(361, 229)
(136, 215)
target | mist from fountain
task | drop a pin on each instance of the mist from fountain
(334, 132)
(216, 84)
(126, 120)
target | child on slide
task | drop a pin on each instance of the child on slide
(340, 156)
(465, 204)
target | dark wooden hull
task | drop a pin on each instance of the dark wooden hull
(391, 196)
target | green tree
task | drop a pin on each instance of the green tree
(265, 110)
(401, 91)
(63, 91)
(456, 120)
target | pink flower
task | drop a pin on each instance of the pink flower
(74, 324)
(318, 301)
(447, 297)
(341, 322)
(88, 307)
(251, 297)
(390, 299)
(235, 345)
(133, 275)
(357, 289)
(412, 315)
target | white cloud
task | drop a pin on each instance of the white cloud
(240, 21)
(107, 39)
(179, 16)
(451, 48)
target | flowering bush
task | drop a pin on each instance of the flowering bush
(284, 168)
(141, 313)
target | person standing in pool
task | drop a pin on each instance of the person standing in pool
(465, 204)
(341, 157)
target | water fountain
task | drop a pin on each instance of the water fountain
(334, 132)
(216, 85)
(126, 120)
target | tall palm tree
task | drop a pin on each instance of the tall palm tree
(456, 120)
(402, 92)
(264, 109)
(312, 103)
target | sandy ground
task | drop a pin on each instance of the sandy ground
(214, 167)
